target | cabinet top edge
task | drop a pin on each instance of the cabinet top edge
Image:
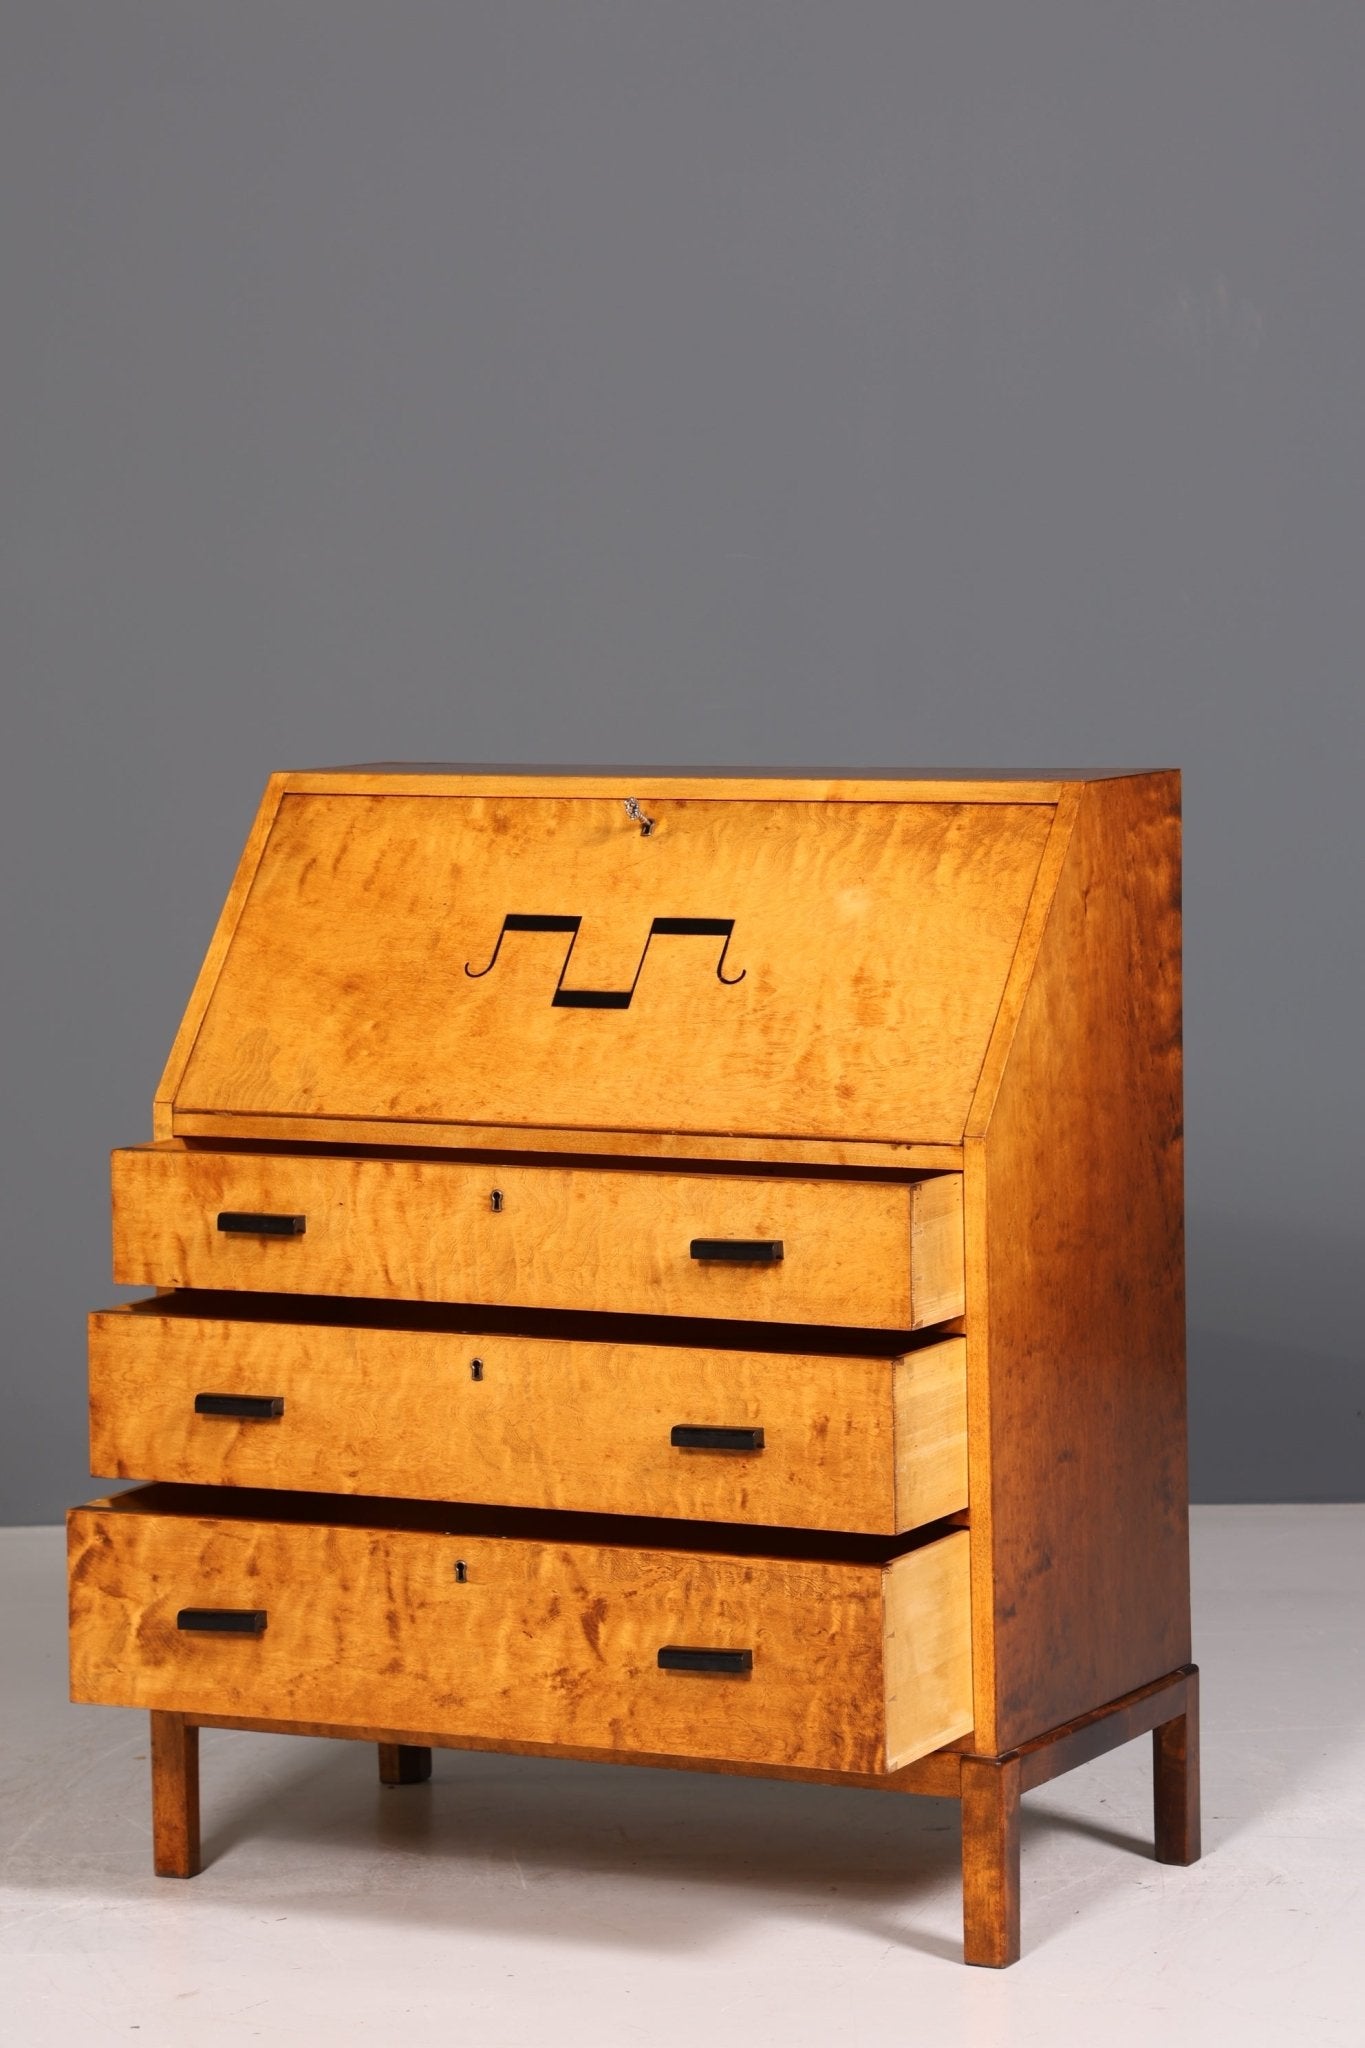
(1017, 785)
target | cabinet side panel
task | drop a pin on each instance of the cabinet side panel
(1085, 1253)
(206, 981)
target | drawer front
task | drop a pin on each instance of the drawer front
(831, 1666)
(870, 1445)
(871, 1254)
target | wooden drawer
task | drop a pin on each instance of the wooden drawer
(496, 1625)
(876, 1254)
(815, 1441)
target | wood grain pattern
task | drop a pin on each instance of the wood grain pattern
(701, 1147)
(1175, 1780)
(937, 1292)
(928, 1652)
(929, 1400)
(539, 1642)
(1081, 1210)
(936, 1776)
(206, 980)
(1022, 965)
(175, 1796)
(869, 952)
(855, 1253)
(990, 1861)
(980, 1436)
(766, 785)
(404, 1763)
(1095, 1733)
(871, 1444)
(926, 1031)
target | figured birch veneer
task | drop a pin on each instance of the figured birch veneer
(875, 1445)
(871, 1253)
(666, 1267)
(865, 954)
(857, 1665)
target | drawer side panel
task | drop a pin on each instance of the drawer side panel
(928, 1649)
(929, 1396)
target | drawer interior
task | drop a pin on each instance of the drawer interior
(527, 1525)
(469, 1318)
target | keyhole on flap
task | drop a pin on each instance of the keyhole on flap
(461, 1572)
(495, 1200)
(476, 1368)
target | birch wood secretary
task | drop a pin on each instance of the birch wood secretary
(670, 1268)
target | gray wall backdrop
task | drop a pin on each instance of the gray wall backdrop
(717, 383)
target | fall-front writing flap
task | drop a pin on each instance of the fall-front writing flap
(784, 968)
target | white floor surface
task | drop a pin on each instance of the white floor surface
(516, 1901)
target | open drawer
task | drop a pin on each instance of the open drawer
(755, 1647)
(864, 1253)
(350, 1397)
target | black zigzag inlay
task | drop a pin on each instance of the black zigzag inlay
(610, 998)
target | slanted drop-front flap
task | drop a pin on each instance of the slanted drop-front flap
(772, 968)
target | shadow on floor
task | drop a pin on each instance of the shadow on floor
(577, 1832)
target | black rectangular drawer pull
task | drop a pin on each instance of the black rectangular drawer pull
(245, 1407)
(250, 1223)
(222, 1621)
(691, 1436)
(740, 1251)
(733, 1662)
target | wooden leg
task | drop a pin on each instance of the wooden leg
(400, 1763)
(175, 1796)
(990, 1860)
(1175, 1781)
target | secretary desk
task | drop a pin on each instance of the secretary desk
(669, 1267)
